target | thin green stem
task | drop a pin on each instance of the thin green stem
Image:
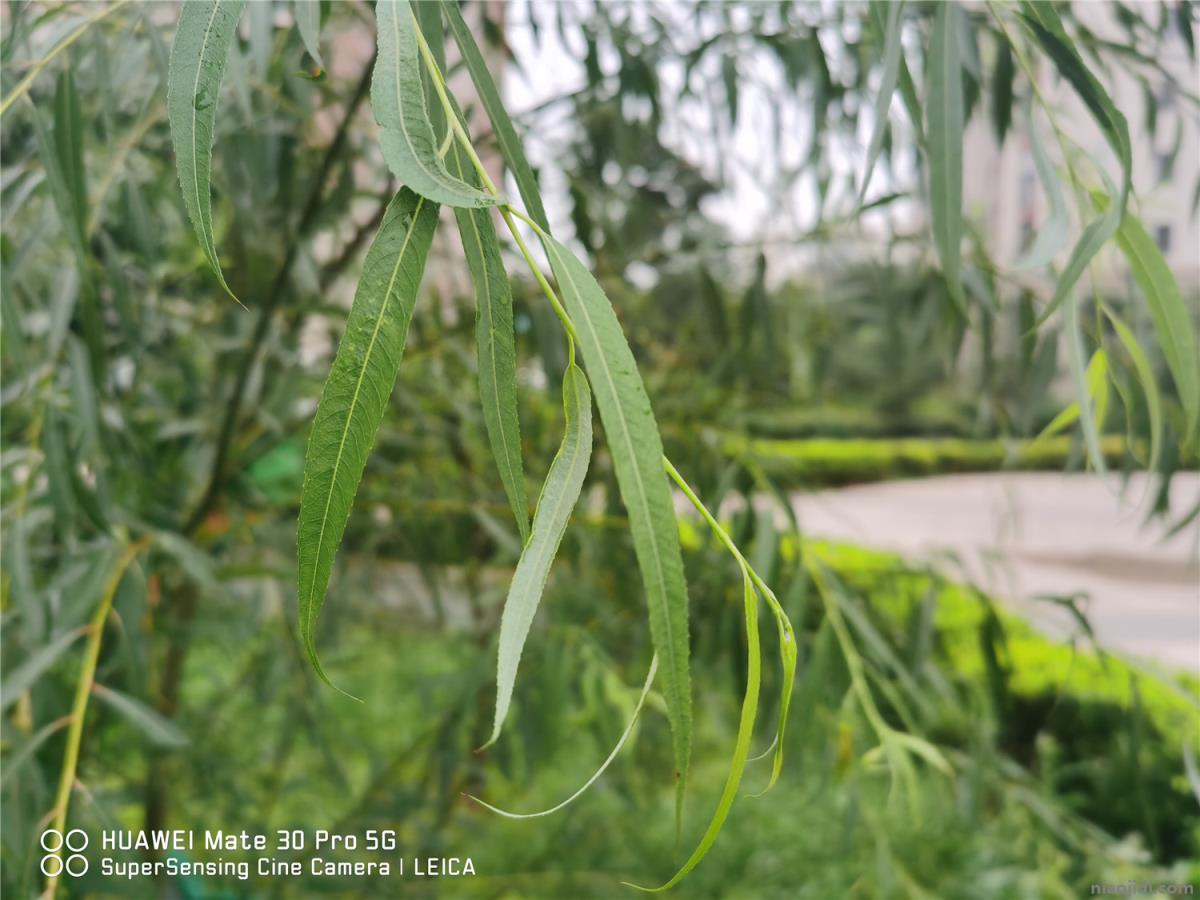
(83, 691)
(506, 209)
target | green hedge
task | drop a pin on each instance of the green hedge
(834, 461)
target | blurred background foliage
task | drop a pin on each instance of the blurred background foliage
(138, 401)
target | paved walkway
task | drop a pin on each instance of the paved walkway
(1024, 535)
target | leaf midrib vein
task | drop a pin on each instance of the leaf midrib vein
(205, 222)
(442, 181)
(387, 297)
(644, 511)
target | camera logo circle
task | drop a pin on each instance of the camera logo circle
(53, 841)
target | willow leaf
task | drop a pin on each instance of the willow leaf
(788, 657)
(741, 747)
(1053, 234)
(1172, 322)
(24, 676)
(636, 448)
(944, 136)
(1145, 376)
(489, 97)
(559, 495)
(603, 766)
(495, 346)
(398, 100)
(1083, 389)
(202, 38)
(892, 48)
(154, 725)
(308, 22)
(68, 144)
(1044, 24)
(356, 394)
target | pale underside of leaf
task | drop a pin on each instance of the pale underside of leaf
(559, 495)
(398, 100)
(1053, 234)
(356, 394)
(203, 36)
(636, 448)
(603, 766)
(944, 135)
(741, 747)
(495, 348)
(308, 21)
(892, 48)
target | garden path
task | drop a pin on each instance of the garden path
(1025, 536)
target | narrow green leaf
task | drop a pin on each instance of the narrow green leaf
(944, 136)
(24, 676)
(788, 658)
(1003, 74)
(596, 775)
(68, 143)
(398, 100)
(495, 346)
(636, 448)
(489, 97)
(1083, 390)
(308, 22)
(1096, 379)
(741, 747)
(1172, 321)
(1044, 24)
(1149, 384)
(1053, 234)
(892, 50)
(202, 39)
(559, 495)
(155, 726)
(60, 189)
(15, 762)
(356, 394)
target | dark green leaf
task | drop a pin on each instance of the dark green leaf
(495, 346)
(636, 448)
(1172, 322)
(356, 394)
(1003, 74)
(1045, 25)
(202, 39)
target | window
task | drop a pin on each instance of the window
(1162, 237)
